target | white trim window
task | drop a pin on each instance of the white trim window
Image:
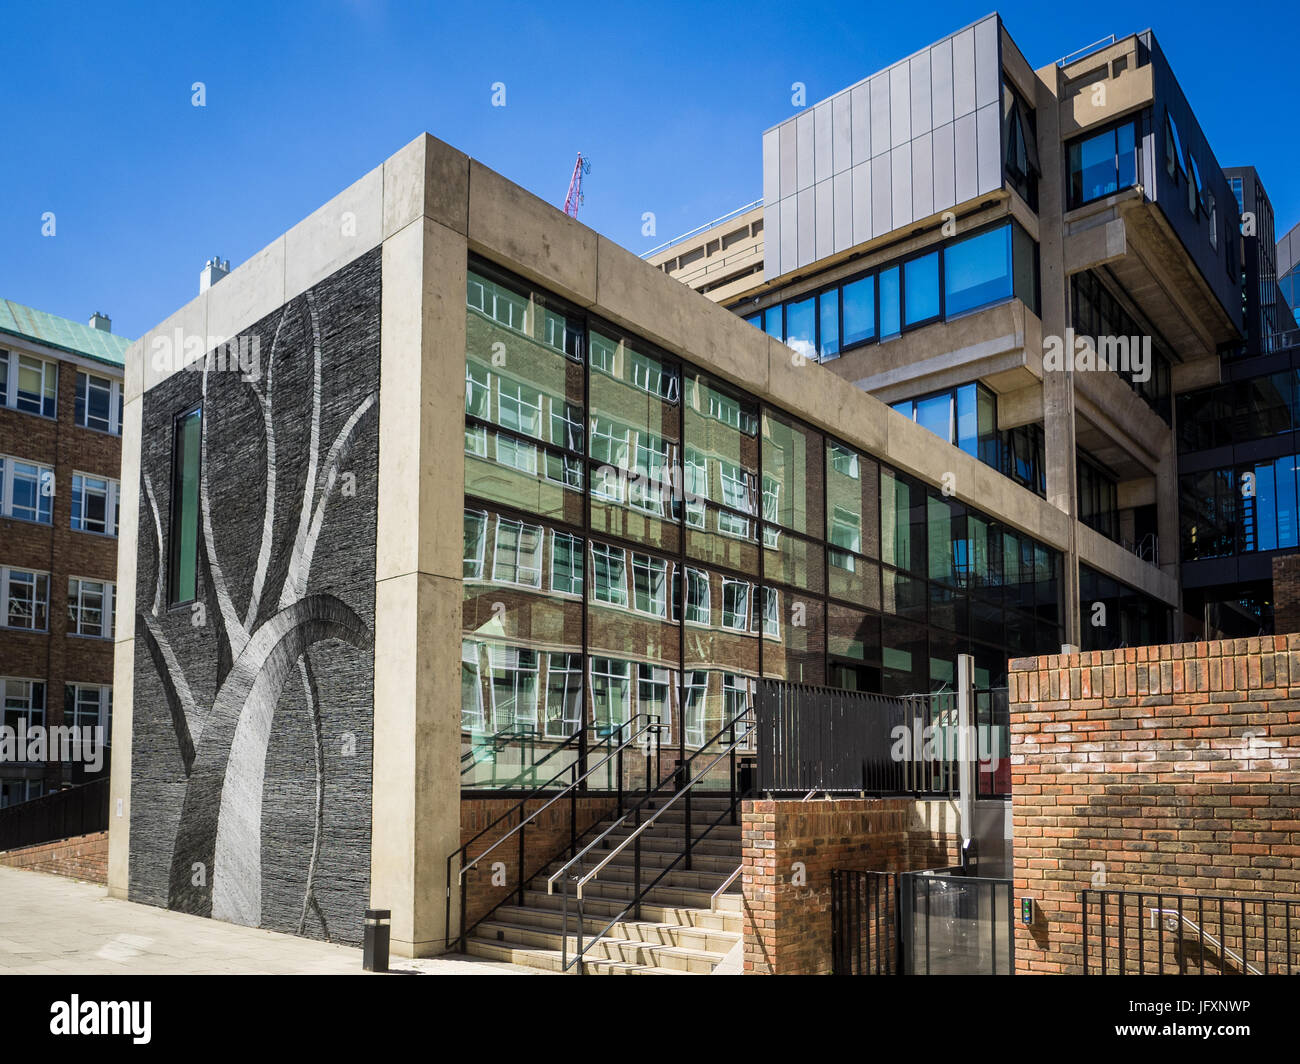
(476, 441)
(698, 596)
(654, 458)
(697, 689)
(26, 598)
(772, 612)
(566, 564)
(653, 697)
(516, 454)
(475, 544)
(737, 694)
(514, 686)
(519, 408)
(563, 694)
(29, 384)
(735, 604)
(517, 553)
(609, 442)
(471, 688)
(502, 305)
(478, 391)
(650, 584)
(22, 700)
(609, 571)
(566, 425)
(94, 504)
(611, 692)
(90, 607)
(88, 705)
(695, 487)
(99, 403)
(26, 490)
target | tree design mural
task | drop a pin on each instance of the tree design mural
(216, 860)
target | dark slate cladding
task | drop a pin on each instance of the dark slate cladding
(340, 591)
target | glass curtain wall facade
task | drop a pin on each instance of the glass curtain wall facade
(967, 417)
(643, 538)
(963, 274)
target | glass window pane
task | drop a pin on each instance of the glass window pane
(921, 281)
(859, 311)
(801, 327)
(936, 414)
(976, 271)
(184, 532)
(828, 345)
(890, 319)
(792, 474)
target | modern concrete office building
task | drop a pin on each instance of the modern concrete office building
(1288, 268)
(60, 450)
(660, 505)
(938, 231)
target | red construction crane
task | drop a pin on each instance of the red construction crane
(574, 198)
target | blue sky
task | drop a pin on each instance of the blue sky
(303, 98)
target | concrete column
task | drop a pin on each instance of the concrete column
(1058, 386)
(119, 801)
(416, 790)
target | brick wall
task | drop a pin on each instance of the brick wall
(545, 838)
(54, 656)
(1167, 767)
(1286, 593)
(787, 924)
(83, 857)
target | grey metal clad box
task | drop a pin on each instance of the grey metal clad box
(920, 137)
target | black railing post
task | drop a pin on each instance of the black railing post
(733, 773)
(523, 829)
(464, 892)
(636, 877)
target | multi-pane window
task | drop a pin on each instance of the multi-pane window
(88, 705)
(475, 543)
(471, 688)
(514, 686)
(24, 701)
(94, 504)
(563, 695)
(517, 555)
(90, 607)
(519, 407)
(29, 384)
(25, 594)
(611, 693)
(698, 605)
(566, 563)
(182, 568)
(650, 584)
(735, 604)
(1104, 163)
(26, 490)
(772, 612)
(652, 695)
(697, 689)
(99, 403)
(609, 583)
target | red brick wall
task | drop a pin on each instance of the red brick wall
(787, 927)
(54, 656)
(545, 838)
(83, 857)
(1168, 767)
(1286, 593)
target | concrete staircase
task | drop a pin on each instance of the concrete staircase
(681, 931)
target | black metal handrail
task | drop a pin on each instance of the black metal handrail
(498, 741)
(651, 729)
(1251, 934)
(634, 839)
(79, 810)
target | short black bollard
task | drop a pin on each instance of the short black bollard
(374, 954)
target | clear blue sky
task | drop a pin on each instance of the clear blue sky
(669, 102)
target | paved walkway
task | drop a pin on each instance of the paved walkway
(51, 925)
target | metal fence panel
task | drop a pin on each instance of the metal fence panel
(62, 814)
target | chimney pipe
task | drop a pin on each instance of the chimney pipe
(101, 321)
(213, 270)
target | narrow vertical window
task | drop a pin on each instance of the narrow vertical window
(182, 569)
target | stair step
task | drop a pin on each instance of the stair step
(719, 919)
(723, 863)
(649, 932)
(616, 950)
(549, 960)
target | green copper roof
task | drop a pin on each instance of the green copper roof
(53, 331)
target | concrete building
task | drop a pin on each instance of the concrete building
(662, 504)
(938, 232)
(60, 451)
(1288, 268)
